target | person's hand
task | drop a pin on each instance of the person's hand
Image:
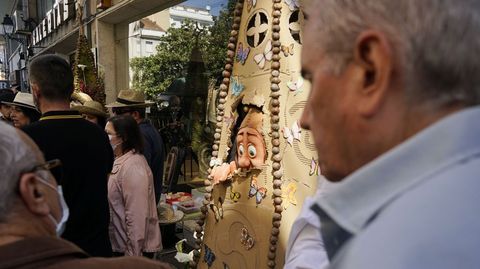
(222, 173)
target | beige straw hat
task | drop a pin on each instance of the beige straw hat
(166, 214)
(92, 108)
(23, 99)
(130, 98)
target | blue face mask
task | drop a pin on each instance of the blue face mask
(60, 225)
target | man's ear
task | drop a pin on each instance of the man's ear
(136, 115)
(373, 55)
(35, 90)
(32, 195)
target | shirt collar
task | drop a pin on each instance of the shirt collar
(353, 202)
(124, 157)
(61, 113)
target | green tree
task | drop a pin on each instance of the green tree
(153, 74)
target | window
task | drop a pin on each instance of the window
(148, 46)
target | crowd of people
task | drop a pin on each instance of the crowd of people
(393, 111)
(97, 166)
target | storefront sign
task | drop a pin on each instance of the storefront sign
(61, 12)
(4, 84)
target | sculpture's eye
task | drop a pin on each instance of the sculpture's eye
(241, 150)
(252, 151)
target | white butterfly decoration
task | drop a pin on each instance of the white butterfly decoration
(250, 4)
(296, 86)
(293, 4)
(214, 162)
(292, 133)
(267, 54)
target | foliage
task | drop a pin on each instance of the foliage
(87, 80)
(155, 73)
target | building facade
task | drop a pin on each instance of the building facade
(53, 26)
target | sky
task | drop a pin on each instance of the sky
(216, 5)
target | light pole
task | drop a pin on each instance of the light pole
(8, 29)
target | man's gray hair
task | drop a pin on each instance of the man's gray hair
(437, 42)
(16, 157)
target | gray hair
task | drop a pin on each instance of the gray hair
(436, 42)
(16, 157)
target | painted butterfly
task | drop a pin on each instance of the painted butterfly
(314, 168)
(246, 240)
(229, 120)
(267, 54)
(217, 210)
(296, 86)
(293, 4)
(287, 50)
(242, 54)
(255, 191)
(250, 4)
(289, 194)
(237, 87)
(215, 162)
(209, 256)
(234, 196)
(292, 133)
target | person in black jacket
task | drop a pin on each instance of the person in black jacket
(133, 102)
(82, 147)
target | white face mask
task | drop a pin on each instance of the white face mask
(114, 146)
(60, 225)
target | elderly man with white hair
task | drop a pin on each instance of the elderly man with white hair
(33, 212)
(394, 111)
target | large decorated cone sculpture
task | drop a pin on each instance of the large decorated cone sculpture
(263, 164)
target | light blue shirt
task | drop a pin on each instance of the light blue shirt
(305, 247)
(416, 206)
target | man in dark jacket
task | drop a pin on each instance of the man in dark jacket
(82, 147)
(32, 209)
(133, 103)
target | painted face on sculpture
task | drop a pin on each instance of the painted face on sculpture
(251, 151)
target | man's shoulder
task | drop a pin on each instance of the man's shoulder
(433, 218)
(33, 127)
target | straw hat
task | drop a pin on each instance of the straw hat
(23, 99)
(166, 214)
(92, 108)
(130, 98)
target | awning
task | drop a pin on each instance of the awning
(64, 45)
(131, 10)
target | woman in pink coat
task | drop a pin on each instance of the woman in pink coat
(134, 229)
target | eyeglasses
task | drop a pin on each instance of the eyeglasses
(50, 166)
(47, 166)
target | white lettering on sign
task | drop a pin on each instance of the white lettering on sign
(49, 21)
(44, 28)
(58, 14)
(61, 12)
(34, 37)
(68, 9)
(37, 35)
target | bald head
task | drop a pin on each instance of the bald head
(18, 154)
